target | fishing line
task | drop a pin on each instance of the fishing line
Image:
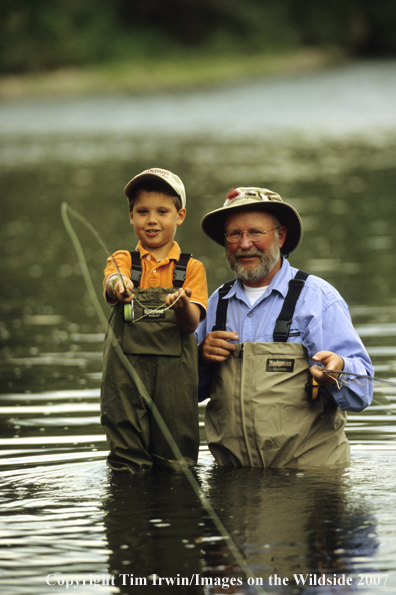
(98, 237)
(91, 228)
(357, 378)
(143, 392)
(160, 307)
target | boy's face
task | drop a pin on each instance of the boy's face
(155, 219)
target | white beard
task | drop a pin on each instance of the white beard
(267, 262)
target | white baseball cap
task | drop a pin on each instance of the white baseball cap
(167, 176)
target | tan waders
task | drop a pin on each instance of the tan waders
(166, 361)
(259, 414)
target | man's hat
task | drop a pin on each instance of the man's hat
(242, 199)
(166, 176)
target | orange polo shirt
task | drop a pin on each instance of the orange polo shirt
(160, 274)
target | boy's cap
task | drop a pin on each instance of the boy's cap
(240, 199)
(167, 176)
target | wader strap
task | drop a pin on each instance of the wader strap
(222, 305)
(281, 331)
(282, 326)
(136, 269)
(179, 276)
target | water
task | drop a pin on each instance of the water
(325, 142)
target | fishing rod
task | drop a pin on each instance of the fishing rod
(100, 240)
(146, 397)
(66, 207)
(128, 310)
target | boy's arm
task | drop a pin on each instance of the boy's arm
(119, 288)
(187, 314)
(119, 264)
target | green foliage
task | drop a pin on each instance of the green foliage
(361, 27)
(37, 35)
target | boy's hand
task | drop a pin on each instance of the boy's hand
(179, 299)
(121, 290)
(187, 314)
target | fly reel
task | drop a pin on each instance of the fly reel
(128, 312)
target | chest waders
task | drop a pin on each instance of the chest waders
(165, 359)
(259, 414)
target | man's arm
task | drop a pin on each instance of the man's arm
(336, 345)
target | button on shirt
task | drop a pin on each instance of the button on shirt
(321, 322)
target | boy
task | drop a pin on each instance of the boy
(158, 336)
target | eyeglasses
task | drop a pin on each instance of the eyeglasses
(254, 235)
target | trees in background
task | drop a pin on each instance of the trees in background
(40, 35)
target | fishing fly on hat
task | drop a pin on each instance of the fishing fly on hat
(255, 199)
(163, 174)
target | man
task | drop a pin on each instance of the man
(268, 339)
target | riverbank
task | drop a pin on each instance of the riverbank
(181, 73)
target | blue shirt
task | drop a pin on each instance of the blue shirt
(321, 322)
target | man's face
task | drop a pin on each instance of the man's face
(254, 260)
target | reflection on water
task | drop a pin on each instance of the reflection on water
(154, 528)
(78, 521)
(319, 530)
(64, 516)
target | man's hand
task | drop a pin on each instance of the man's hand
(216, 346)
(330, 361)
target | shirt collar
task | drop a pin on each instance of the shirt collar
(173, 254)
(281, 280)
(279, 283)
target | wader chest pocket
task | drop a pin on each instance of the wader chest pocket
(153, 329)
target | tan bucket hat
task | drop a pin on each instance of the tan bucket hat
(163, 174)
(256, 198)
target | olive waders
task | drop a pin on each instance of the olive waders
(165, 359)
(259, 413)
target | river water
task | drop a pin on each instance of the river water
(326, 142)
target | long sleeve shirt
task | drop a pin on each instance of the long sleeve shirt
(321, 322)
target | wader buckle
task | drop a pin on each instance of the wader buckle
(179, 275)
(282, 330)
